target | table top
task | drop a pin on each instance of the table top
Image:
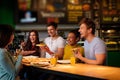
(95, 71)
(85, 70)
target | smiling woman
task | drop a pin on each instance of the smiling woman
(72, 45)
(30, 47)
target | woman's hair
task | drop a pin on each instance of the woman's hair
(54, 24)
(28, 45)
(89, 23)
(5, 34)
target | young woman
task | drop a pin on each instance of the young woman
(30, 47)
(9, 67)
(72, 43)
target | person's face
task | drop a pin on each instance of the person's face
(83, 30)
(32, 37)
(51, 31)
(71, 39)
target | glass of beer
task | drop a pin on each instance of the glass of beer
(53, 60)
(72, 60)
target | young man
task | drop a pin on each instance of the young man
(54, 44)
(94, 47)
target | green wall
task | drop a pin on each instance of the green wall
(113, 58)
(7, 9)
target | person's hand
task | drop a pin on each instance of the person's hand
(76, 52)
(23, 44)
(18, 51)
(45, 48)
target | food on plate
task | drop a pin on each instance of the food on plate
(25, 61)
(63, 61)
(33, 59)
(41, 44)
(42, 64)
(43, 59)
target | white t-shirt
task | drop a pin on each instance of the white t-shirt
(54, 44)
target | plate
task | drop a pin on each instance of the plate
(30, 56)
(63, 61)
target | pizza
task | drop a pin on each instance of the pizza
(41, 44)
(34, 60)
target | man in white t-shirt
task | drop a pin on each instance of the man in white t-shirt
(54, 44)
(94, 47)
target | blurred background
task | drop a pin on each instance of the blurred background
(25, 15)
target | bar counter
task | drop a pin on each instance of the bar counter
(83, 71)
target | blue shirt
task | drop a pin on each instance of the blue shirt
(96, 46)
(9, 67)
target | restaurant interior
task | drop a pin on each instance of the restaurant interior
(106, 14)
(67, 13)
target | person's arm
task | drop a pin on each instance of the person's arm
(7, 66)
(42, 55)
(18, 63)
(99, 53)
(46, 49)
(24, 53)
(60, 50)
(60, 53)
(99, 58)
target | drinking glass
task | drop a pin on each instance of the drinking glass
(53, 60)
(72, 60)
(18, 51)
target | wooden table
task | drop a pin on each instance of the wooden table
(84, 71)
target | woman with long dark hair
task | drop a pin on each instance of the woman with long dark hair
(9, 67)
(30, 47)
